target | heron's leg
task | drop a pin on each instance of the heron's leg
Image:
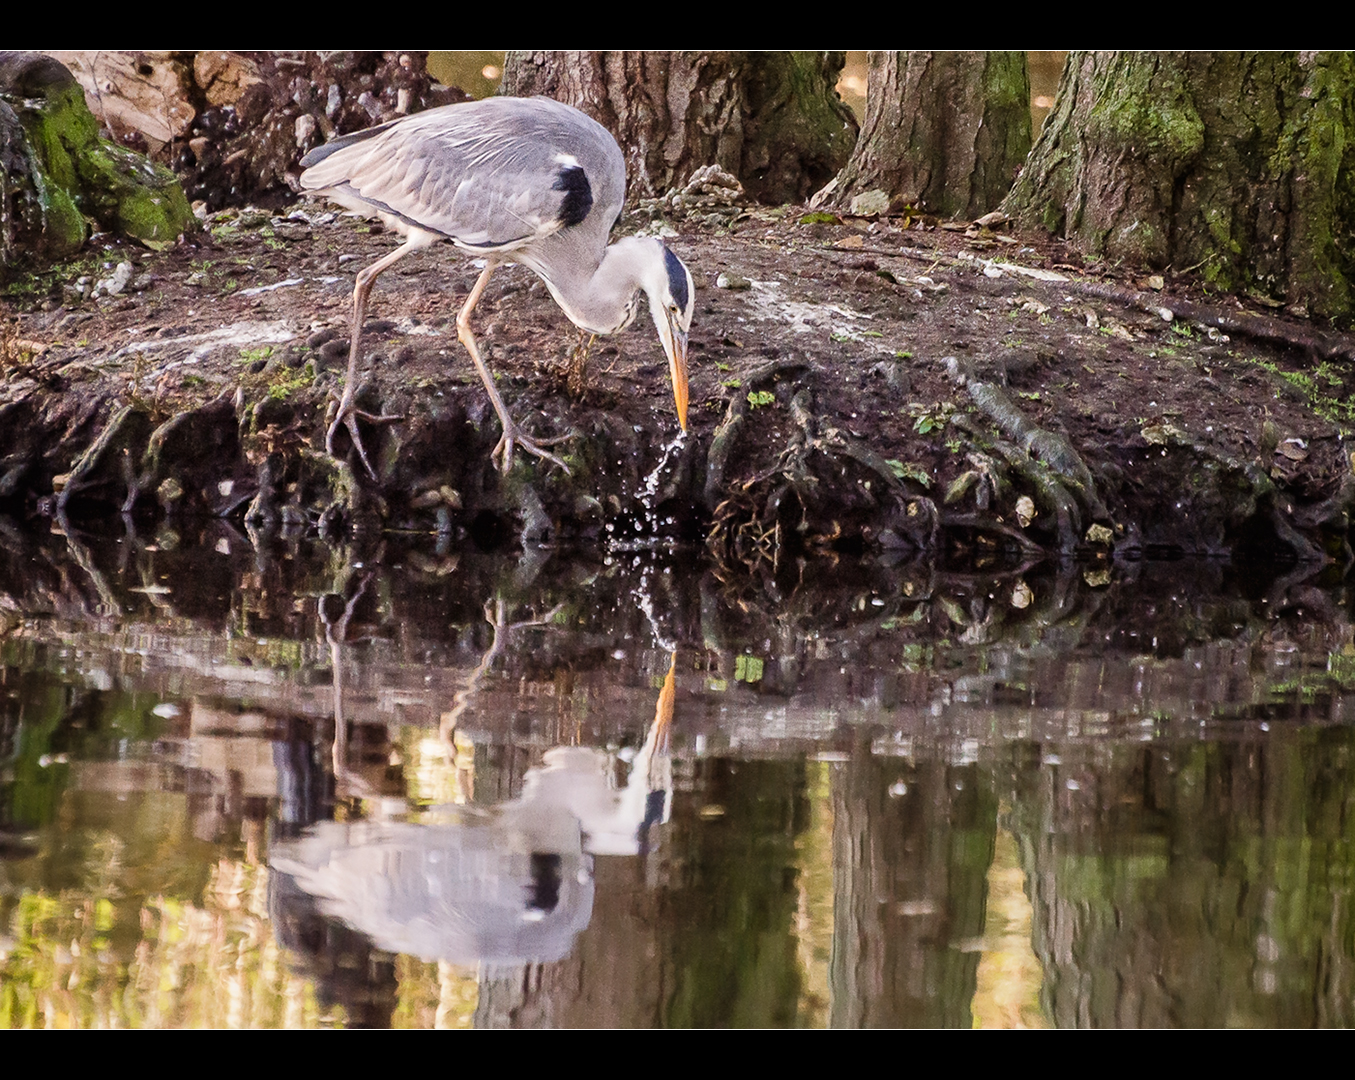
(511, 432)
(347, 413)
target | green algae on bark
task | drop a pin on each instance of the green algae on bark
(1240, 166)
(71, 174)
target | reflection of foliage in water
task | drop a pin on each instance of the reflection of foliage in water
(44, 725)
(26, 750)
(434, 995)
(78, 959)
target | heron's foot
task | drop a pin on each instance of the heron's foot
(348, 414)
(513, 435)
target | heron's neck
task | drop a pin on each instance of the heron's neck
(605, 300)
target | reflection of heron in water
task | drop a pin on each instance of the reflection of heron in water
(503, 885)
(336, 634)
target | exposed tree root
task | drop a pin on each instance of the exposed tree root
(1319, 345)
(822, 489)
(1046, 461)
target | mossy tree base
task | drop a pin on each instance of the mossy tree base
(69, 174)
(1240, 166)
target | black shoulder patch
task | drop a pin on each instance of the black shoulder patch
(677, 278)
(578, 200)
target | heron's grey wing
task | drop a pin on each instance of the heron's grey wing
(490, 180)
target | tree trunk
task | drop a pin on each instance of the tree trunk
(1239, 165)
(910, 876)
(773, 120)
(945, 132)
(57, 171)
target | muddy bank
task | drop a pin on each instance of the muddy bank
(856, 388)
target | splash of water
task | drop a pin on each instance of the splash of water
(645, 602)
(647, 519)
(651, 485)
(647, 496)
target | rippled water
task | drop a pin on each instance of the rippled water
(630, 790)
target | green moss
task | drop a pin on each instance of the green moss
(1218, 275)
(64, 225)
(1335, 410)
(282, 388)
(132, 195)
(1148, 111)
(80, 175)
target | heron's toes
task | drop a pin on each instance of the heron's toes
(347, 414)
(379, 418)
(542, 452)
(503, 452)
(350, 421)
(339, 408)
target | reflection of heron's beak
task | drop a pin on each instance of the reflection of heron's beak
(663, 709)
(675, 345)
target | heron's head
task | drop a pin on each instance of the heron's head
(672, 296)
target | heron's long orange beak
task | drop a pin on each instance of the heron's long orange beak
(676, 348)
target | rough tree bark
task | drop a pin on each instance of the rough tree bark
(945, 132)
(773, 120)
(1238, 165)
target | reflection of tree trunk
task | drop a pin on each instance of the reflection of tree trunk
(772, 119)
(696, 933)
(944, 131)
(609, 978)
(1230, 163)
(910, 870)
(729, 957)
(1201, 885)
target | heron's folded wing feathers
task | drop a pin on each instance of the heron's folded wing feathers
(484, 186)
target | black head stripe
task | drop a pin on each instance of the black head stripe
(578, 200)
(677, 279)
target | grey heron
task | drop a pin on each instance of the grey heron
(526, 180)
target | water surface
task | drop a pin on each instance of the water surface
(626, 789)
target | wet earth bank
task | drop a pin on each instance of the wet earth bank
(856, 389)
